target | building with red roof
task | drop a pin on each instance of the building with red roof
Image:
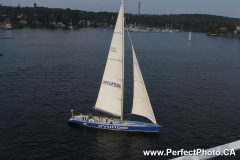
(223, 28)
(23, 21)
(35, 21)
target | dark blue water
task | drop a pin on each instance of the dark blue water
(194, 88)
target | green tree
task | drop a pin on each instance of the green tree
(32, 25)
(65, 19)
(20, 25)
(51, 26)
(30, 18)
(40, 25)
(52, 18)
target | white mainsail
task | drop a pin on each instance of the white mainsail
(141, 102)
(189, 36)
(110, 96)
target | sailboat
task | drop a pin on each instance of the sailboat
(189, 36)
(71, 25)
(110, 97)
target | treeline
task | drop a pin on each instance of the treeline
(194, 22)
(45, 15)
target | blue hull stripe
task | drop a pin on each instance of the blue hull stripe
(138, 128)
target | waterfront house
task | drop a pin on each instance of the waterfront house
(83, 22)
(88, 23)
(223, 28)
(35, 14)
(7, 21)
(100, 24)
(60, 24)
(19, 16)
(23, 21)
(238, 27)
(3, 15)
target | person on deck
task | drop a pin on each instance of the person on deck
(106, 119)
(90, 115)
(99, 119)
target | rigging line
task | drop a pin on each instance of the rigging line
(128, 33)
(129, 116)
(92, 112)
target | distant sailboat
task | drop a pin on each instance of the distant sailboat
(110, 97)
(189, 36)
(71, 25)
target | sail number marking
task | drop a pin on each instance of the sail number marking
(113, 49)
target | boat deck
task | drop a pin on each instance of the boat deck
(106, 120)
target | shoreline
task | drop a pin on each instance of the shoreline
(221, 35)
(208, 34)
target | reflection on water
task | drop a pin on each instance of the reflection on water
(107, 144)
(193, 88)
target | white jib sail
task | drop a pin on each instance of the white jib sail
(141, 102)
(111, 91)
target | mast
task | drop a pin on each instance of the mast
(122, 63)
